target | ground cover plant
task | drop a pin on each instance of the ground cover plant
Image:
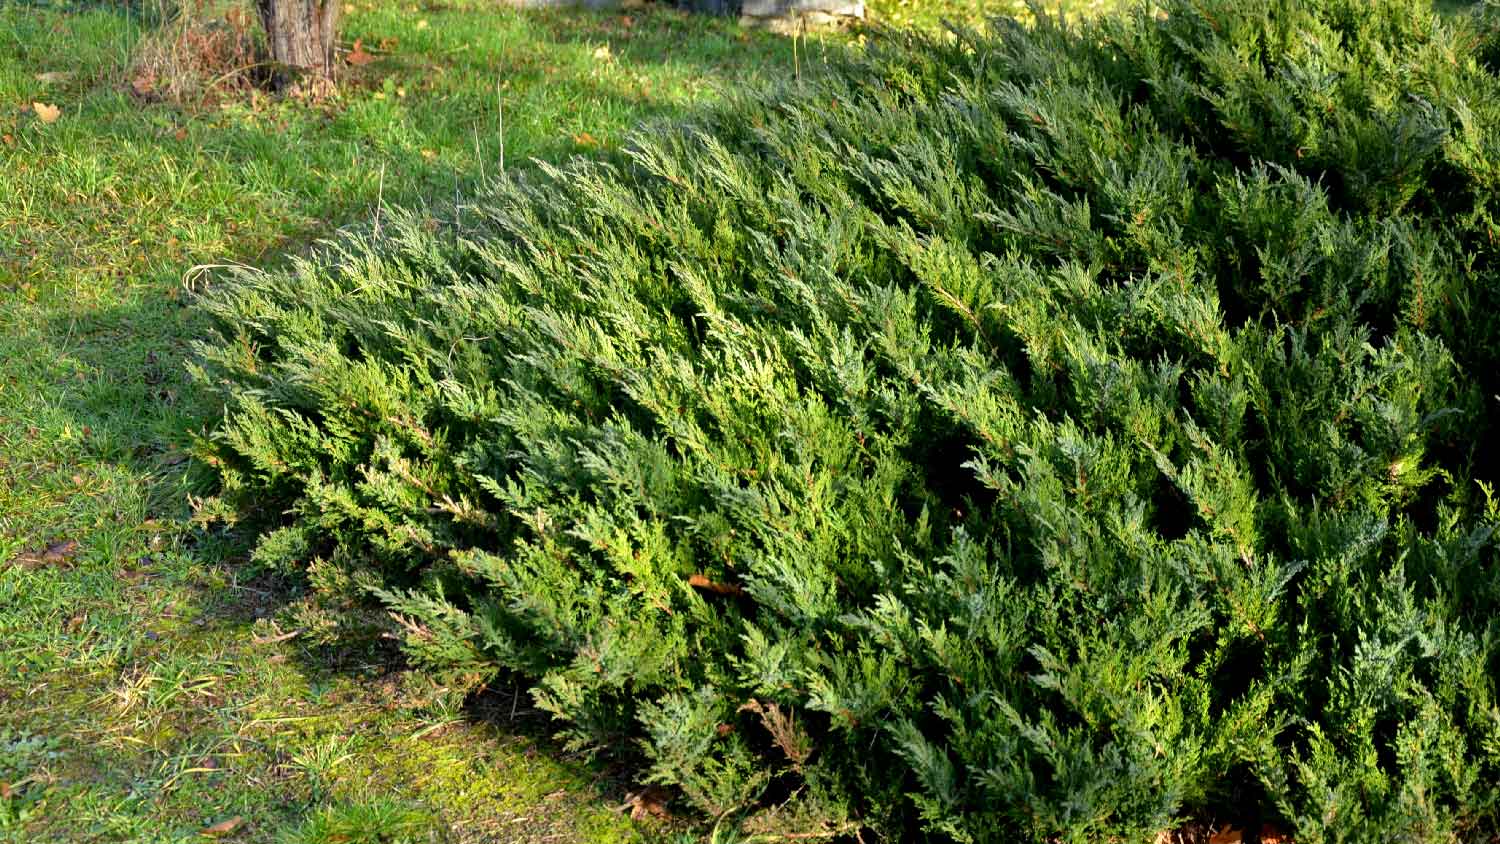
(1058, 433)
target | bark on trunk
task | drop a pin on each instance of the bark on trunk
(301, 36)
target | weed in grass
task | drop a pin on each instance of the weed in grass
(378, 821)
(318, 761)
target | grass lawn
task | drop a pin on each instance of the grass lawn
(143, 693)
(148, 688)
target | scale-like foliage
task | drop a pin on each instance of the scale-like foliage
(1054, 434)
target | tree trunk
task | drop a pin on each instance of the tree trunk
(301, 34)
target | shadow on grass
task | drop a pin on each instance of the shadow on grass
(139, 415)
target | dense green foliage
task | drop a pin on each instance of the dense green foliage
(1060, 433)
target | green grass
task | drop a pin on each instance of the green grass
(145, 690)
(926, 14)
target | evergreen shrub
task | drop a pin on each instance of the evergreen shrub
(1061, 433)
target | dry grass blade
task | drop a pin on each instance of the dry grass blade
(791, 739)
(196, 56)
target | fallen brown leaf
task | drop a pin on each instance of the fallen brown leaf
(142, 85)
(56, 554)
(222, 828)
(46, 113)
(60, 552)
(357, 56)
(649, 802)
(1227, 835)
(701, 581)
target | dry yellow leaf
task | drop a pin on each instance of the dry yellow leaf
(222, 828)
(46, 113)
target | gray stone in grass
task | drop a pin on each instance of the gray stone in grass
(798, 8)
(562, 4)
(791, 17)
(782, 15)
